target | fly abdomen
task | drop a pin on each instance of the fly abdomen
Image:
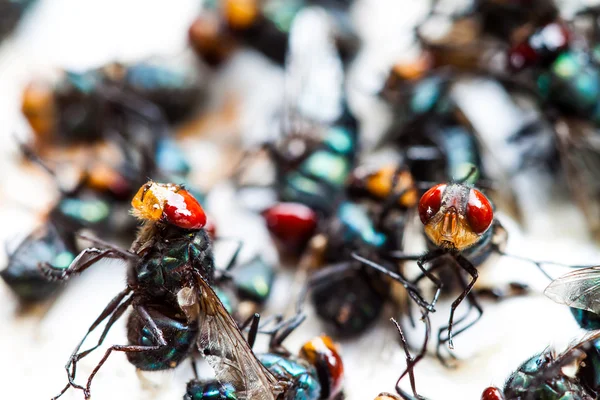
(180, 337)
(209, 390)
(304, 383)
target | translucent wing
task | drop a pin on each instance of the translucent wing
(228, 352)
(576, 353)
(578, 289)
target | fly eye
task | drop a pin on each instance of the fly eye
(291, 223)
(183, 210)
(431, 202)
(492, 393)
(480, 213)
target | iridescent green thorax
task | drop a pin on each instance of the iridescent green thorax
(586, 319)
(320, 178)
(85, 211)
(327, 166)
(209, 391)
(340, 140)
(302, 189)
(332, 164)
(254, 279)
(359, 225)
(426, 95)
(530, 379)
(165, 267)
(573, 83)
(306, 382)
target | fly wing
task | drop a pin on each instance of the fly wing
(578, 289)
(228, 353)
(576, 353)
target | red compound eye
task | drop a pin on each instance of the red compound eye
(291, 223)
(183, 210)
(431, 202)
(492, 393)
(479, 212)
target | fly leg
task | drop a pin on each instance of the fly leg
(253, 323)
(471, 270)
(413, 290)
(108, 246)
(410, 361)
(114, 308)
(123, 348)
(232, 261)
(154, 330)
(421, 261)
(279, 335)
(473, 303)
(224, 273)
(538, 264)
(83, 261)
(118, 313)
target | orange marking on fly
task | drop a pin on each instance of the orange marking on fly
(379, 184)
(38, 106)
(168, 203)
(455, 215)
(323, 352)
(101, 177)
(241, 14)
(416, 69)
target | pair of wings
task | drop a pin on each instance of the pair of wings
(224, 347)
